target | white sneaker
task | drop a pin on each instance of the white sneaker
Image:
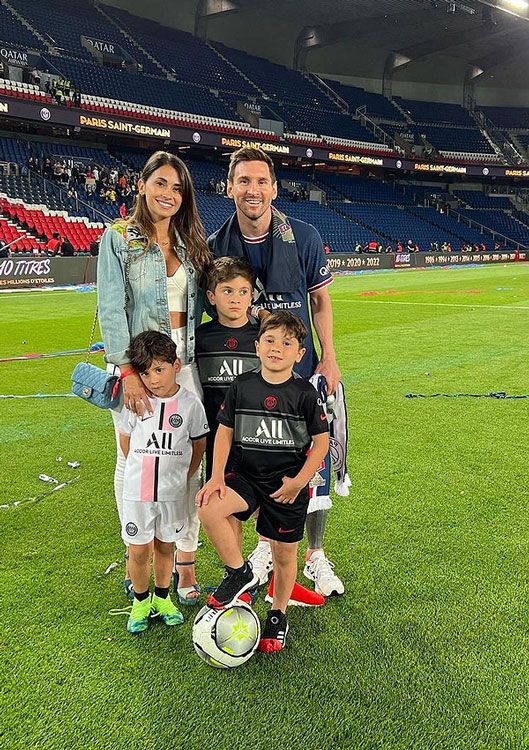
(261, 559)
(321, 571)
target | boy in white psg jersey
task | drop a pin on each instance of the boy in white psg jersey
(163, 449)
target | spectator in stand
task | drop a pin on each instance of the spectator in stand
(4, 250)
(67, 249)
(389, 249)
(54, 245)
(212, 186)
(416, 248)
(58, 170)
(90, 183)
(434, 247)
(400, 247)
(326, 248)
(410, 246)
(358, 247)
(59, 94)
(371, 247)
(123, 210)
(483, 247)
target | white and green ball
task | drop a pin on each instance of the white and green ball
(226, 638)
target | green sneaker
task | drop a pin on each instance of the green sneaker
(166, 610)
(139, 616)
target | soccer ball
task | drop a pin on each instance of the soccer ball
(226, 638)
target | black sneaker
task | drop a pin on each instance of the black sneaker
(232, 586)
(274, 633)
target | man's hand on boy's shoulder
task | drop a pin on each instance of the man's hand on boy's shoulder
(288, 492)
(215, 484)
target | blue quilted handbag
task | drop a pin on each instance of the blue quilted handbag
(96, 386)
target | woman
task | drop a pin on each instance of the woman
(150, 277)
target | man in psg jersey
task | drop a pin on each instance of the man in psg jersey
(267, 423)
(292, 273)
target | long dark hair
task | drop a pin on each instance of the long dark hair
(186, 221)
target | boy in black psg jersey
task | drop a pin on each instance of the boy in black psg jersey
(225, 346)
(267, 423)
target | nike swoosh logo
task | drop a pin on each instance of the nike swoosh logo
(180, 529)
(285, 531)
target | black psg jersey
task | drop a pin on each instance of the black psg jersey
(223, 353)
(272, 423)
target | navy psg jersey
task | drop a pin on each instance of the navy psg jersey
(315, 275)
(222, 353)
(272, 424)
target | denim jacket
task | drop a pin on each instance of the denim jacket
(132, 291)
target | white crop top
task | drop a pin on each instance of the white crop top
(177, 290)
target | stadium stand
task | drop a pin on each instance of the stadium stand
(435, 112)
(175, 49)
(64, 22)
(477, 199)
(499, 222)
(160, 86)
(375, 105)
(458, 141)
(13, 32)
(276, 81)
(509, 118)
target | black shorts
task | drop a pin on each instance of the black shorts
(282, 522)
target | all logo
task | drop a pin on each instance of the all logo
(270, 402)
(272, 429)
(175, 420)
(233, 370)
(166, 441)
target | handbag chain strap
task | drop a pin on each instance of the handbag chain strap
(92, 334)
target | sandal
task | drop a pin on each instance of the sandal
(183, 593)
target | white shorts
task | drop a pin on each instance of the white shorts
(142, 522)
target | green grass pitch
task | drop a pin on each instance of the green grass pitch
(428, 649)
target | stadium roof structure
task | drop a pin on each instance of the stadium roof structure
(429, 41)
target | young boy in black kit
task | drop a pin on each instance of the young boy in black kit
(267, 423)
(225, 346)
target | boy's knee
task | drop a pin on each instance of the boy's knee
(211, 511)
(163, 548)
(141, 553)
(284, 552)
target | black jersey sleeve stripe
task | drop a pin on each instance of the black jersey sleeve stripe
(162, 411)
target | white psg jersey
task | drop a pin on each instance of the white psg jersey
(160, 448)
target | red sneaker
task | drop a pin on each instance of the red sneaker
(300, 596)
(274, 632)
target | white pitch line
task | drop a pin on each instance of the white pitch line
(51, 292)
(435, 304)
